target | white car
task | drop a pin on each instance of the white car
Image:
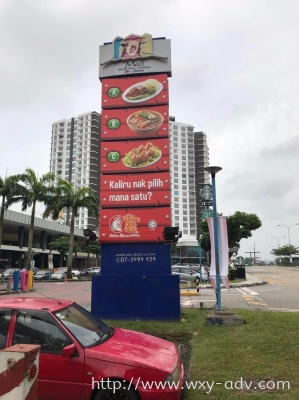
(76, 272)
(59, 275)
(188, 274)
(93, 270)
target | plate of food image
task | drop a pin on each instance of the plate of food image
(142, 156)
(145, 121)
(142, 91)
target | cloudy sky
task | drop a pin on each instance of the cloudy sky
(235, 77)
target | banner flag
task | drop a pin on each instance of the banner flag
(222, 249)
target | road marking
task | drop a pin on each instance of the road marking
(189, 302)
(258, 303)
(250, 291)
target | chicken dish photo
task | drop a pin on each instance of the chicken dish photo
(142, 156)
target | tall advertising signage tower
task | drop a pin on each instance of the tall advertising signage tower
(135, 179)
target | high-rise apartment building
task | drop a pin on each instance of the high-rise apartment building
(189, 155)
(75, 158)
(201, 162)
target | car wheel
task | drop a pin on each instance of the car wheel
(116, 390)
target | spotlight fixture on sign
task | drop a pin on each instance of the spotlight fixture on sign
(171, 234)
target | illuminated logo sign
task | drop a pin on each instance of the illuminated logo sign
(126, 223)
(133, 47)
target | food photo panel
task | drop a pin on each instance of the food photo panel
(135, 123)
(134, 156)
(135, 91)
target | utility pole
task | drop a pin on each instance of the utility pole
(254, 253)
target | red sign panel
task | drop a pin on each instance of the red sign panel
(135, 123)
(135, 156)
(135, 92)
(135, 190)
(134, 225)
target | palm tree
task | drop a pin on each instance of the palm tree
(32, 191)
(67, 196)
(8, 188)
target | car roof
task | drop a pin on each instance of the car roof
(34, 303)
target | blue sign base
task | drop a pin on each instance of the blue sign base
(135, 258)
(132, 297)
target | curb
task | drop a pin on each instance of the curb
(5, 292)
(232, 286)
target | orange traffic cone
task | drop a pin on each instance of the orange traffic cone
(65, 278)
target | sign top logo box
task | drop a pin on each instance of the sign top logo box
(135, 54)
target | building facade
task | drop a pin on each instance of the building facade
(75, 158)
(189, 155)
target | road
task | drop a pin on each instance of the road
(281, 292)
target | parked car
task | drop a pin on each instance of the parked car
(9, 272)
(93, 270)
(80, 354)
(76, 272)
(204, 269)
(83, 271)
(59, 274)
(188, 274)
(42, 275)
(33, 269)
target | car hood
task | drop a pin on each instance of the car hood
(137, 349)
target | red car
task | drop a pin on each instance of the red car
(81, 358)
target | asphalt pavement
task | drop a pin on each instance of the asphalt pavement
(80, 291)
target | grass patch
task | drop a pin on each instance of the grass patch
(266, 347)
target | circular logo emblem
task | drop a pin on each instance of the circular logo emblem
(152, 224)
(116, 223)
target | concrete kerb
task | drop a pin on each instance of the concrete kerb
(6, 292)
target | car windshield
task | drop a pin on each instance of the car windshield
(87, 329)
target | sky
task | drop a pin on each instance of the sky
(234, 76)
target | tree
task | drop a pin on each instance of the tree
(9, 187)
(239, 226)
(95, 249)
(67, 196)
(31, 191)
(285, 251)
(62, 245)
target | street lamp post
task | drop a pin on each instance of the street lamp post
(200, 254)
(213, 171)
(275, 237)
(271, 252)
(288, 228)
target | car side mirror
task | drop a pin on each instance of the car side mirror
(69, 351)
